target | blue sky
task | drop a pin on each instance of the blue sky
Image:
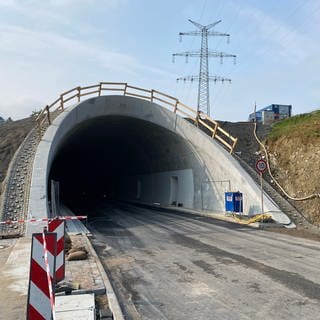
(47, 47)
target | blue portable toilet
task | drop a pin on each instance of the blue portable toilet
(234, 202)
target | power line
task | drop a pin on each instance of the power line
(204, 78)
(187, 91)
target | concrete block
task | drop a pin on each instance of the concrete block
(80, 307)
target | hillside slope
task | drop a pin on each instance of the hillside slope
(294, 149)
(11, 136)
(293, 156)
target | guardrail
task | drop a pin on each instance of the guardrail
(200, 119)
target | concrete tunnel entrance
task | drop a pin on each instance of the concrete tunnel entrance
(131, 149)
(123, 158)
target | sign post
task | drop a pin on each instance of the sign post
(261, 187)
(261, 167)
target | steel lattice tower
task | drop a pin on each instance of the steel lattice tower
(204, 77)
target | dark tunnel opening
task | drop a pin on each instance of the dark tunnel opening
(96, 158)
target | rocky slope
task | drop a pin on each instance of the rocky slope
(11, 136)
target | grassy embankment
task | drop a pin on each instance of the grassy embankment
(307, 125)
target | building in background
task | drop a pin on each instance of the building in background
(271, 113)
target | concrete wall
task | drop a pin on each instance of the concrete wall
(209, 163)
(164, 188)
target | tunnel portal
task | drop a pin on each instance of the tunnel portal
(126, 148)
(100, 158)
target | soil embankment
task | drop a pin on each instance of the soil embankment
(12, 134)
(294, 149)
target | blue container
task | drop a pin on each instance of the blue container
(234, 202)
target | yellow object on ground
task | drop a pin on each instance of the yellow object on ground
(256, 218)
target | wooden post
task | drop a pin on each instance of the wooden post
(79, 92)
(196, 122)
(214, 131)
(152, 93)
(100, 88)
(233, 146)
(175, 107)
(61, 102)
(48, 114)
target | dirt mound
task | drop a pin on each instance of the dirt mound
(11, 136)
(295, 164)
(294, 147)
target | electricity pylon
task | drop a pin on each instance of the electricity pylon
(204, 78)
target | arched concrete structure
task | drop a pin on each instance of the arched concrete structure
(162, 158)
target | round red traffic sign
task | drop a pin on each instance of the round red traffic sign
(261, 165)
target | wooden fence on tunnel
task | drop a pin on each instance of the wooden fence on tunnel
(199, 119)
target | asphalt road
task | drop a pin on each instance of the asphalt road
(181, 266)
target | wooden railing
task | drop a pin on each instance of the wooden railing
(199, 119)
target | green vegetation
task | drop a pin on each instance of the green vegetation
(35, 114)
(303, 125)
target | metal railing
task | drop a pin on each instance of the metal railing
(199, 118)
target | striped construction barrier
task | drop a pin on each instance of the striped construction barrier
(58, 226)
(42, 277)
(64, 218)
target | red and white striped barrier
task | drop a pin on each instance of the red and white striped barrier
(50, 285)
(65, 218)
(58, 226)
(42, 277)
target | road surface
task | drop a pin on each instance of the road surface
(182, 266)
